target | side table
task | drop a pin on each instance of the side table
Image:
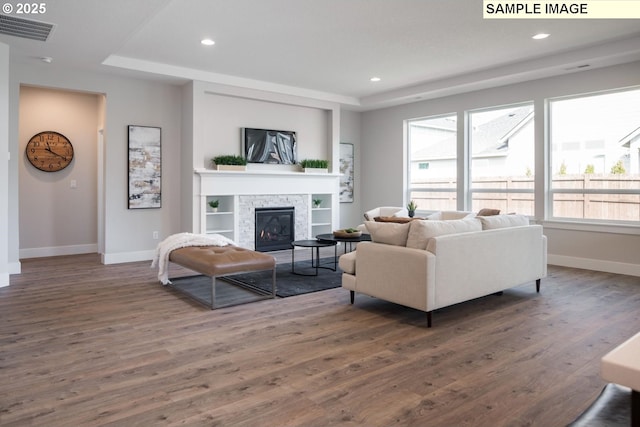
(329, 237)
(315, 259)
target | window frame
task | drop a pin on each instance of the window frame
(605, 225)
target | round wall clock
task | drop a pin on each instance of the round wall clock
(49, 151)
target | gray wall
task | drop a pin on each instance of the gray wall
(350, 126)
(383, 165)
(128, 234)
(5, 269)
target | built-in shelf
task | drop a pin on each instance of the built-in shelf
(229, 187)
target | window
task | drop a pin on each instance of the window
(502, 147)
(432, 176)
(595, 157)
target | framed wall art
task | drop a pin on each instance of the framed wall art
(145, 167)
(346, 172)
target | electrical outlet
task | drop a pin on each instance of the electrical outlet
(155, 235)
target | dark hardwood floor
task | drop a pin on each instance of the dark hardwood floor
(83, 344)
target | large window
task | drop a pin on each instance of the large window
(595, 157)
(502, 149)
(433, 167)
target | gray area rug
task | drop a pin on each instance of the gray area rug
(287, 283)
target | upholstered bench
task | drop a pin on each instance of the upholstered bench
(219, 262)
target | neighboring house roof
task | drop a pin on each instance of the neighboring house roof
(489, 139)
(628, 138)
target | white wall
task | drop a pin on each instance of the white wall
(128, 233)
(4, 162)
(382, 154)
(55, 218)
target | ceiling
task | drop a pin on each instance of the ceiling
(324, 49)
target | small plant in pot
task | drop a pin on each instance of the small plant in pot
(317, 203)
(214, 204)
(314, 165)
(411, 207)
(229, 162)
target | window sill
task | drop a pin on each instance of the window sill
(594, 227)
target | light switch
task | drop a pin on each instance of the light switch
(73, 184)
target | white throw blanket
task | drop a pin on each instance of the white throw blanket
(182, 240)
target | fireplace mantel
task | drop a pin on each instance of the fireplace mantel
(240, 192)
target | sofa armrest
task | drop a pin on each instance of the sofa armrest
(395, 273)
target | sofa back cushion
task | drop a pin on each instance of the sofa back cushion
(389, 233)
(503, 221)
(421, 231)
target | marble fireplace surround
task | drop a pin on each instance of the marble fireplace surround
(258, 189)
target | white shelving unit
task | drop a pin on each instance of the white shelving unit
(223, 221)
(321, 217)
(230, 186)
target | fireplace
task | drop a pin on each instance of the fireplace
(274, 228)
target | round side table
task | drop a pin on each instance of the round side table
(315, 258)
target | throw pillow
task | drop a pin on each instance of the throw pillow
(396, 219)
(422, 231)
(488, 212)
(503, 221)
(389, 233)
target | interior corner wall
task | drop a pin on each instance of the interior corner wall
(350, 126)
(220, 112)
(69, 196)
(128, 232)
(383, 163)
(4, 161)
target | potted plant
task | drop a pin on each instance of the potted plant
(411, 207)
(214, 204)
(315, 165)
(317, 203)
(229, 162)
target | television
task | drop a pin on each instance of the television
(269, 146)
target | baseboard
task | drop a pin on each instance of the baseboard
(15, 267)
(595, 264)
(123, 257)
(58, 251)
(4, 280)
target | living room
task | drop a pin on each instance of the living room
(201, 117)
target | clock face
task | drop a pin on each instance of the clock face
(49, 151)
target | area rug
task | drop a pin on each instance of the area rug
(287, 283)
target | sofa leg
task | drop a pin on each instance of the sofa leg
(428, 319)
(538, 286)
(353, 296)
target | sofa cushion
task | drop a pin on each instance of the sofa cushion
(503, 221)
(347, 262)
(388, 232)
(421, 231)
(450, 215)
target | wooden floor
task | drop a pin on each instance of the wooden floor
(83, 344)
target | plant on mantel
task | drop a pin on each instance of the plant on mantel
(229, 162)
(314, 165)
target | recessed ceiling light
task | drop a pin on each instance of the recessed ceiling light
(207, 42)
(540, 36)
(374, 79)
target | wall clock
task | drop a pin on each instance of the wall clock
(49, 151)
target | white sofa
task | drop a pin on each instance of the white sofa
(430, 264)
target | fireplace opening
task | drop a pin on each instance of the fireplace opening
(274, 228)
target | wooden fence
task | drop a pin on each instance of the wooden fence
(624, 207)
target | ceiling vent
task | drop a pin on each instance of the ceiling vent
(25, 28)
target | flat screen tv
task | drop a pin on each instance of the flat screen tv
(269, 146)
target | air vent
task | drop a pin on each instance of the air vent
(25, 28)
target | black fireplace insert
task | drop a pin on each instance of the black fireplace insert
(274, 228)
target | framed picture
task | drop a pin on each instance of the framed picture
(346, 172)
(145, 167)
